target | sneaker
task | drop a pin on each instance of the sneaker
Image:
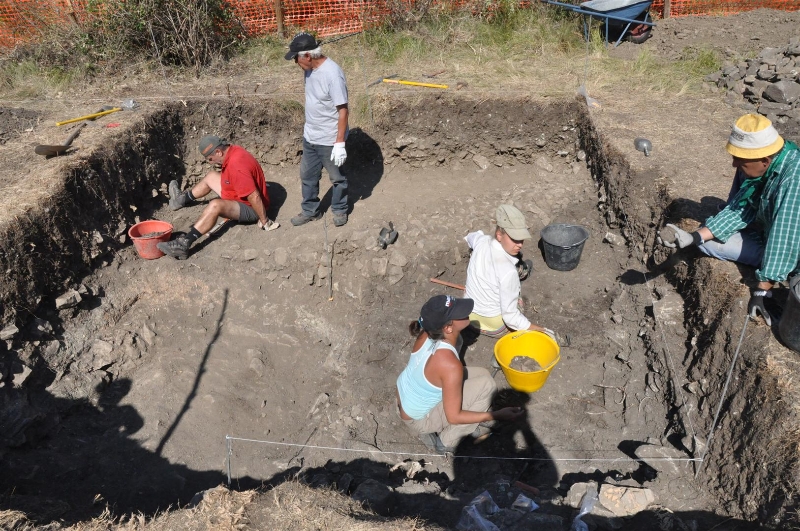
(302, 219)
(177, 248)
(434, 444)
(177, 199)
(339, 218)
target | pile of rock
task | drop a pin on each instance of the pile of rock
(768, 84)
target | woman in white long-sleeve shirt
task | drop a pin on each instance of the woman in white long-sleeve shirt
(492, 276)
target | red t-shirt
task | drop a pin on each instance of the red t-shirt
(241, 175)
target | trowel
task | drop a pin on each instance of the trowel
(52, 151)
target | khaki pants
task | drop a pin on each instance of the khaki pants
(479, 388)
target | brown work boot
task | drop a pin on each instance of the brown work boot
(177, 199)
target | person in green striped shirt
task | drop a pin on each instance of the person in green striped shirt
(760, 225)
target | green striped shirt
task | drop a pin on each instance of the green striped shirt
(776, 209)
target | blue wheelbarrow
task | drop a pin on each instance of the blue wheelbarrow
(623, 18)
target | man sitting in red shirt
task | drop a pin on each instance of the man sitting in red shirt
(240, 186)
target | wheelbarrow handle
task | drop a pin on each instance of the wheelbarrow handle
(414, 83)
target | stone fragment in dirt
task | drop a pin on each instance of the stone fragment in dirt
(395, 275)
(322, 401)
(380, 266)
(544, 164)
(344, 482)
(69, 299)
(101, 354)
(8, 332)
(525, 364)
(249, 255)
(398, 259)
(376, 495)
(272, 275)
(669, 310)
(614, 239)
(40, 328)
(654, 456)
(258, 366)
(625, 501)
(481, 161)
(281, 257)
(576, 492)
(148, 335)
(667, 235)
(20, 372)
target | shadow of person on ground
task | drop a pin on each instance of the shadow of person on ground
(363, 168)
(69, 459)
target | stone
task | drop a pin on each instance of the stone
(544, 164)
(69, 299)
(576, 492)
(380, 266)
(249, 255)
(375, 495)
(669, 309)
(39, 328)
(19, 374)
(258, 366)
(625, 501)
(148, 335)
(102, 354)
(481, 161)
(783, 92)
(281, 256)
(614, 239)
(8, 332)
(655, 455)
(398, 259)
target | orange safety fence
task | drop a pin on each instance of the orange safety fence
(21, 20)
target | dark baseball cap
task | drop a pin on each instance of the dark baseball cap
(209, 143)
(302, 42)
(442, 309)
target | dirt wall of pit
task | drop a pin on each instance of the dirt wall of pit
(752, 464)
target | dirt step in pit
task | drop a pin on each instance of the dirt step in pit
(296, 336)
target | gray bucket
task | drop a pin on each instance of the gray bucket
(789, 327)
(563, 245)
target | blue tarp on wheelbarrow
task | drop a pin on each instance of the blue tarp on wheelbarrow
(625, 13)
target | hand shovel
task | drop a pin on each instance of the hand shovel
(52, 151)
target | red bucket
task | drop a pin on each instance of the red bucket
(147, 234)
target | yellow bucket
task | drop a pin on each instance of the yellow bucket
(533, 344)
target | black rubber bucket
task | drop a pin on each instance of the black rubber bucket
(563, 245)
(789, 327)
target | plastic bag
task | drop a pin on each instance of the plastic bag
(587, 504)
(473, 516)
(524, 504)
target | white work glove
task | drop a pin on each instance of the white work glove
(681, 238)
(339, 154)
(755, 305)
(269, 225)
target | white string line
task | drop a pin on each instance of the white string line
(724, 393)
(551, 459)
(669, 361)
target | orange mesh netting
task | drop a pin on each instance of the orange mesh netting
(21, 20)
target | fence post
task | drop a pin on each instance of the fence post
(279, 18)
(666, 8)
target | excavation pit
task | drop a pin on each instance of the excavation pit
(273, 354)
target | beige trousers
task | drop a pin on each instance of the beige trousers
(478, 390)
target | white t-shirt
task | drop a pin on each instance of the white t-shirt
(493, 281)
(325, 89)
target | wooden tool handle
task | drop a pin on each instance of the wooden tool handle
(448, 284)
(414, 83)
(89, 116)
(74, 135)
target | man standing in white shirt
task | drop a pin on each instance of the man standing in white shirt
(325, 129)
(492, 275)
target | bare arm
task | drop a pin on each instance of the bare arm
(341, 128)
(258, 205)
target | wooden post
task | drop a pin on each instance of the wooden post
(666, 8)
(279, 18)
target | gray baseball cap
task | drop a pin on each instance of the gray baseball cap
(513, 222)
(209, 143)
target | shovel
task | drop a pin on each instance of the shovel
(52, 151)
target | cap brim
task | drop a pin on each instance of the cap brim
(518, 234)
(290, 55)
(462, 308)
(759, 153)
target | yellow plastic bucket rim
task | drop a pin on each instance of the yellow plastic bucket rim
(520, 334)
